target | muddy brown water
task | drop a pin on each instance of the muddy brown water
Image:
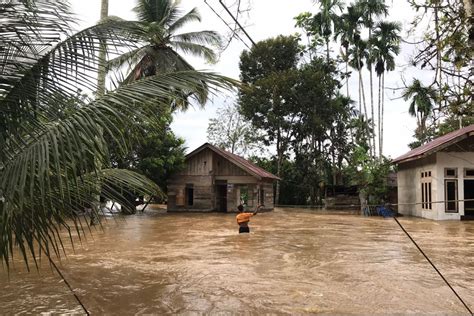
(293, 261)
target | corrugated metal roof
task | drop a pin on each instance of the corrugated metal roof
(436, 144)
(237, 160)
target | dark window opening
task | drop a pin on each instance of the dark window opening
(451, 195)
(469, 172)
(450, 172)
(189, 194)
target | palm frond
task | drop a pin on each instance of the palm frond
(201, 37)
(52, 142)
(191, 16)
(196, 50)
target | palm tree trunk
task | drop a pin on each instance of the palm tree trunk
(347, 78)
(372, 108)
(361, 83)
(383, 110)
(104, 12)
(279, 161)
(379, 110)
(327, 50)
(360, 97)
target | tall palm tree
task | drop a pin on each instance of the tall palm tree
(421, 105)
(160, 22)
(371, 10)
(348, 30)
(104, 13)
(386, 42)
(48, 146)
(324, 22)
(358, 53)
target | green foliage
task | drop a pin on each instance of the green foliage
(370, 175)
(299, 109)
(161, 44)
(296, 192)
(447, 49)
(232, 132)
(154, 150)
(50, 148)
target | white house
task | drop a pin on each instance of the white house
(436, 178)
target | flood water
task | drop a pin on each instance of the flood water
(293, 261)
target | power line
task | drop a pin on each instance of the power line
(236, 21)
(434, 267)
(227, 24)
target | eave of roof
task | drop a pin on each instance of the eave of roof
(436, 144)
(237, 160)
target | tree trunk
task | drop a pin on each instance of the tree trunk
(347, 77)
(438, 57)
(372, 93)
(379, 116)
(361, 82)
(104, 12)
(363, 202)
(327, 50)
(383, 113)
(279, 160)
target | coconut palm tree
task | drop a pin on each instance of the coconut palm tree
(160, 22)
(421, 105)
(50, 139)
(386, 43)
(104, 13)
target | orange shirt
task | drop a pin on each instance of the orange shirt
(243, 217)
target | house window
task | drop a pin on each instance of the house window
(189, 194)
(426, 195)
(450, 172)
(468, 173)
(451, 195)
(244, 195)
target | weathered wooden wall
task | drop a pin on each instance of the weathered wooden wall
(203, 172)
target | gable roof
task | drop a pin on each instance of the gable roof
(436, 144)
(237, 160)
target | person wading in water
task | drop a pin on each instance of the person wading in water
(243, 218)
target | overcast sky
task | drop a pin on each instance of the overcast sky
(269, 18)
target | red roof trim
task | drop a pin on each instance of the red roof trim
(239, 161)
(436, 144)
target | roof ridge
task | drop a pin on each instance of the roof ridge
(435, 143)
(242, 162)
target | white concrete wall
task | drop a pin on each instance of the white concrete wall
(409, 184)
(459, 160)
(409, 187)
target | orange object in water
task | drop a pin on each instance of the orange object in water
(243, 217)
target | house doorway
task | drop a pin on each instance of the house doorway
(221, 197)
(469, 195)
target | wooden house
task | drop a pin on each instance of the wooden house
(217, 180)
(436, 180)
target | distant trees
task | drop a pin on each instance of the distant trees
(346, 26)
(446, 49)
(229, 130)
(299, 109)
(269, 70)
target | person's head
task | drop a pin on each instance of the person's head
(240, 208)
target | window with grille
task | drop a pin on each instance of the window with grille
(426, 195)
